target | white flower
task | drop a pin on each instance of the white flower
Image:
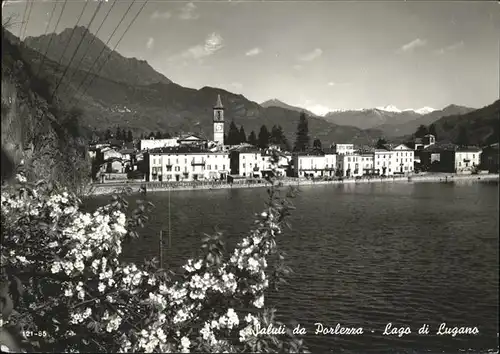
(259, 302)
(185, 343)
(101, 287)
(68, 292)
(56, 268)
(197, 265)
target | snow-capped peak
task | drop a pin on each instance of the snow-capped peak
(389, 108)
(424, 110)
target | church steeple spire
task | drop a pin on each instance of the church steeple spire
(218, 104)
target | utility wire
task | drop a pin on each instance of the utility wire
(22, 21)
(52, 36)
(77, 47)
(71, 37)
(93, 40)
(27, 19)
(116, 45)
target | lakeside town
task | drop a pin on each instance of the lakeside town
(191, 158)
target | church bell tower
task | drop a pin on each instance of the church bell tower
(219, 122)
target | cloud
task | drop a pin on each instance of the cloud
(161, 15)
(450, 48)
(297, 67)
(331, 83)
(408, 47)
(254, 51)
(316, 53)
(213, 43)
(188, 12)
(150, 43)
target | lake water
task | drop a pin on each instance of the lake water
(363, 255)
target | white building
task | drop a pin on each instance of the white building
(187, 164)
(367, 163)
(425, 142)
(403, 159)
(467, 159)
(314, 164)
(349, 165)
(249, 162)
(152, 143)
(383, 162)
(191, 159)
(343, 149)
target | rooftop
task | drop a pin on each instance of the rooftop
(179, 150)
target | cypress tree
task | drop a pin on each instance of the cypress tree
(252, 139)
(263, 137)
(302, 135)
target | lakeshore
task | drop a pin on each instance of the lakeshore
(110, 188)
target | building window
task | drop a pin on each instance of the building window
(193, 168)
(208, 167)
(224, 167)
(243, 165)
(216, 167)
(243, 157)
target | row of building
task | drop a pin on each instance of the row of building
(191, 157)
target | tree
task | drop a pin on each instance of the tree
(167, 135)
(233, 135)
(462, 139)
(263, 137)
(432, 130)
(122, 306)
(243, 136)
(302, 135)
(421, 131)
(130, 137)
(380, 143)
(151, 135)
(158, 135)
(317, 144)
(118, 134)
(108, 135)
(252, 138)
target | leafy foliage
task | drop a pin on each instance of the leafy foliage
(64, 265)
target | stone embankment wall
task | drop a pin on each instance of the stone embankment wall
(108, 188)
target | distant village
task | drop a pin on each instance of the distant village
(189, 157)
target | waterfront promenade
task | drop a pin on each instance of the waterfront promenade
(109, 188)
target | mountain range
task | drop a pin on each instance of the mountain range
(129, 93)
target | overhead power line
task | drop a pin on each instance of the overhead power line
(77, 47)
(51, 37)
(71, 35)
(27, 19)
(94, 38)
(22, 21)
(106, 46)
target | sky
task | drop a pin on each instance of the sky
(320, 55)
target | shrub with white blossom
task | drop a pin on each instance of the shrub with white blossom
(67, 289)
